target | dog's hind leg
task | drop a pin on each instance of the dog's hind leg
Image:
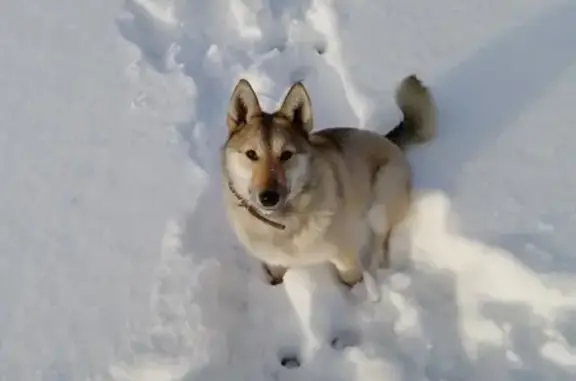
(381, 250)
(390, 207)
(381, 231)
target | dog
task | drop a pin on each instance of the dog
(298, 197)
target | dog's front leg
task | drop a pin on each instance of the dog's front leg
(274, 274)
(348, 269)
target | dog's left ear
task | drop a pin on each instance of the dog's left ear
(298, 108)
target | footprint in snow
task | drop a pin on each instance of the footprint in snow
(345, 339)
(289, 359)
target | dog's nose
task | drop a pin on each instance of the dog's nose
(269, 198)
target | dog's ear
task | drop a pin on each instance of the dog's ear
(243, 105)
(298, 108)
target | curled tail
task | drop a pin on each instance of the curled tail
(419, 114)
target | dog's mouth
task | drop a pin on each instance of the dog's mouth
(262, 213)
(270, 211)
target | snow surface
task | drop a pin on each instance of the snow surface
(116, 261)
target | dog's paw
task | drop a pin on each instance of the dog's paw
(350, 279)
(274, 274)
(275, 281)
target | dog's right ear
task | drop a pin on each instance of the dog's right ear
(298, 108)
(243, 105)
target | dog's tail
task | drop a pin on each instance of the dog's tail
(419, 114)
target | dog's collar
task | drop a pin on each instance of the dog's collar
(252, 210)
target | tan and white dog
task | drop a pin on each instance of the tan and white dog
(296, 197)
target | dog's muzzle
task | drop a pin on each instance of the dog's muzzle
(243, 203)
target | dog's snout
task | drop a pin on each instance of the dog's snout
(269, 198)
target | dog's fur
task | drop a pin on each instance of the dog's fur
(340, 190)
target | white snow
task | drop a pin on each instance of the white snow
(116, 261)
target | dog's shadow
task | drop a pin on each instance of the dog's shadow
(529, 340)
(481, 95)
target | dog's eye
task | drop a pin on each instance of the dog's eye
(286, 155)
(252, 155)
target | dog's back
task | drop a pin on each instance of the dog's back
(372, 150)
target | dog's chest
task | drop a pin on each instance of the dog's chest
(317, 242)
(291, 254)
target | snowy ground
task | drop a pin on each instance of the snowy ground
(116, 262)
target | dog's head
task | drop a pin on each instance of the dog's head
(267, 155)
